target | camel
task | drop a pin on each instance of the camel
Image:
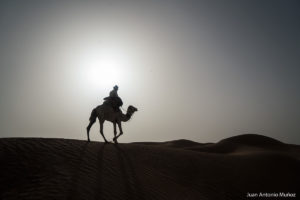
(106, 112)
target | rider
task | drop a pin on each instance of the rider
(114, 99)
(114, 92)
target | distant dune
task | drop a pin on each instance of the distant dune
(38, 168)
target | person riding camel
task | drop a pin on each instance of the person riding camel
(114, 92)
(114, 100)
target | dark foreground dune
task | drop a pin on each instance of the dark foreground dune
(37, 168)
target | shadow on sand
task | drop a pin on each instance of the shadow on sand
(131, 182)
(75, 177)
(99, 183)
(74, 191)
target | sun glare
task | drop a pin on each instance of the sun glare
(103, 69)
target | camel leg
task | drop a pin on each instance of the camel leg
(101, 130)
(115, 130)
(121, 132)
(88, 129)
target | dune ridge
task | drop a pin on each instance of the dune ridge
(44, 168)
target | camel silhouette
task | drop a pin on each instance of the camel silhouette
(106, 112)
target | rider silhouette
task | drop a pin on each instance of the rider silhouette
(114, 100)
(114, 92)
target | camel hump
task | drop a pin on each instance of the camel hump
(115, 101)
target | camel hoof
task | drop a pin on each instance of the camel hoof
(115, 140)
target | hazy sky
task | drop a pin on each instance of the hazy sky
(199, 70)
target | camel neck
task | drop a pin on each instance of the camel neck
(126, 117)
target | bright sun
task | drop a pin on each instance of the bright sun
(103, 68)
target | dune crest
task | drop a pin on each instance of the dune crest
(253, 139)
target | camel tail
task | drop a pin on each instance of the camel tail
(93, 115)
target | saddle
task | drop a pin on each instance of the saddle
(114, 102)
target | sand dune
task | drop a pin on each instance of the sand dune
(38, 168)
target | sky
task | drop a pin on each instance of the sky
(196, 70)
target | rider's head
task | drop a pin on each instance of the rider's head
(116, 87)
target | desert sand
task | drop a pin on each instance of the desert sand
(43, 168)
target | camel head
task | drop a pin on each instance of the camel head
(131, 110)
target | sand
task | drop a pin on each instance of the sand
(41, 168)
